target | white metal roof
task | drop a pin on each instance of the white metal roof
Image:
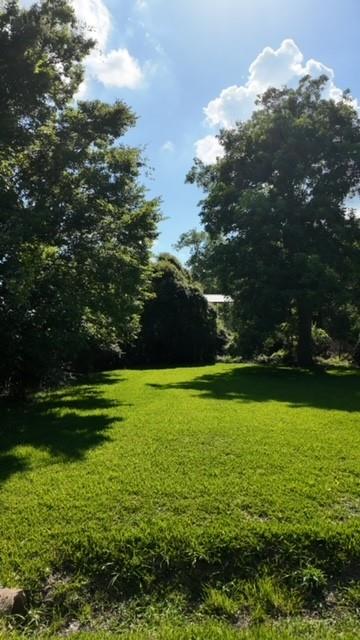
(216, 298)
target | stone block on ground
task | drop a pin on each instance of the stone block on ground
(12, 601)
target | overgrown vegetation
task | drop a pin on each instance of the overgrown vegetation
(177, 325)
(229, 491)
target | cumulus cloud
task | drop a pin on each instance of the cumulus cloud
(234, 103)
(275, 66)
(114, 68)
(82, 90)
(208, 149)
(95, 18)
(271, 68)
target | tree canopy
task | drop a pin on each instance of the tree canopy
(199, 262)
(76, 228)
(276, 204)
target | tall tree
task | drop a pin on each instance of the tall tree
(75, 226)
(277, 205)
(199, 245)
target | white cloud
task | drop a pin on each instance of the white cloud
(275, 67)
(116, 69)
(234, 103)
(95, 18)
(208, 149)
(271, 68)
(82, 90)
(168, 146)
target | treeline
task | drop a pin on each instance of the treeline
(176, 326)
(78, 286)
(76, 227)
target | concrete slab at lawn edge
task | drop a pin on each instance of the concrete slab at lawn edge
(12, 601)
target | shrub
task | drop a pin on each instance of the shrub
(177, 325)
(322, 342)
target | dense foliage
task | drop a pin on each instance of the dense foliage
(285, 244)
(177, 325)
(75, 225)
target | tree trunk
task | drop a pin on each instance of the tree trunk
(305, 343)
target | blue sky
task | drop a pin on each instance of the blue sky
(189, 66)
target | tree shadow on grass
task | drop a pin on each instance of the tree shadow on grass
(339, 390)
(66, 424)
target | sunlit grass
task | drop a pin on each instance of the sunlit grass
(212, 630)
(182, 477)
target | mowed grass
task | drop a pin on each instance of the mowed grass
(310, 630)
(137, 481)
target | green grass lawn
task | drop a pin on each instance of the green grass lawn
(143, 482)
(311, 630)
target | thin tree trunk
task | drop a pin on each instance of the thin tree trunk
(305, 343)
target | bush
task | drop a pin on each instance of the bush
(177, 326)
(322, 342)
(94, 357)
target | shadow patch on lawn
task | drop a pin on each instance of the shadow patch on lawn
(298, 388)
(66, 424)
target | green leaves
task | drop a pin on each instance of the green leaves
(76, 228)
(177, 326)
(277, 202)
